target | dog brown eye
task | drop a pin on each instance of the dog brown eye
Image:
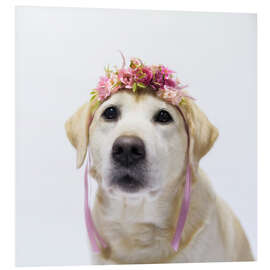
(111, 113)
(163, 117)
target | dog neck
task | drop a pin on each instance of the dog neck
(141, 230)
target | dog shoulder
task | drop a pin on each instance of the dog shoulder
(233, 234)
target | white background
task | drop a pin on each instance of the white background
(60, 54)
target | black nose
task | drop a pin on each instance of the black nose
(128, 150)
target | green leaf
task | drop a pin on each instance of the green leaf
(92, 97)
(134, 87)
(141, 85)
(182, 102)
(107, 70)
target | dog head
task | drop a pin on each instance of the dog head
(138, 142)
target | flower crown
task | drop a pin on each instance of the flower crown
(157, 78)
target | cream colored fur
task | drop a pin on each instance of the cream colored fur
(138, 228)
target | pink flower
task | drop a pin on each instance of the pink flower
(170, 83)
(102, 89)
(135, 63)
(162, 78)
(166, 71)
(113, 84)
(126, 77)
(143, 75)
(158, 80)
(173, 96)
(107, 86)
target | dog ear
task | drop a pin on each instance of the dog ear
(203, 133)
(77, 129)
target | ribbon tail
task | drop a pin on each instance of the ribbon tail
(88, 217)
(91, 229)
(183, 212)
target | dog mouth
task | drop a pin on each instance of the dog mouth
(128, 183)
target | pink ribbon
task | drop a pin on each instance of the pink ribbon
(183, 212)
(93, 234)
(186, 198)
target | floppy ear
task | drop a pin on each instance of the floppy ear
(77, 129)
(203, 133)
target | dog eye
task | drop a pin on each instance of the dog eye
(111, 113)
(163, 117)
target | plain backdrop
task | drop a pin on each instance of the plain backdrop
(60, 54)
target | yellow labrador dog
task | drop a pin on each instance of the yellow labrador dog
(138, 145)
